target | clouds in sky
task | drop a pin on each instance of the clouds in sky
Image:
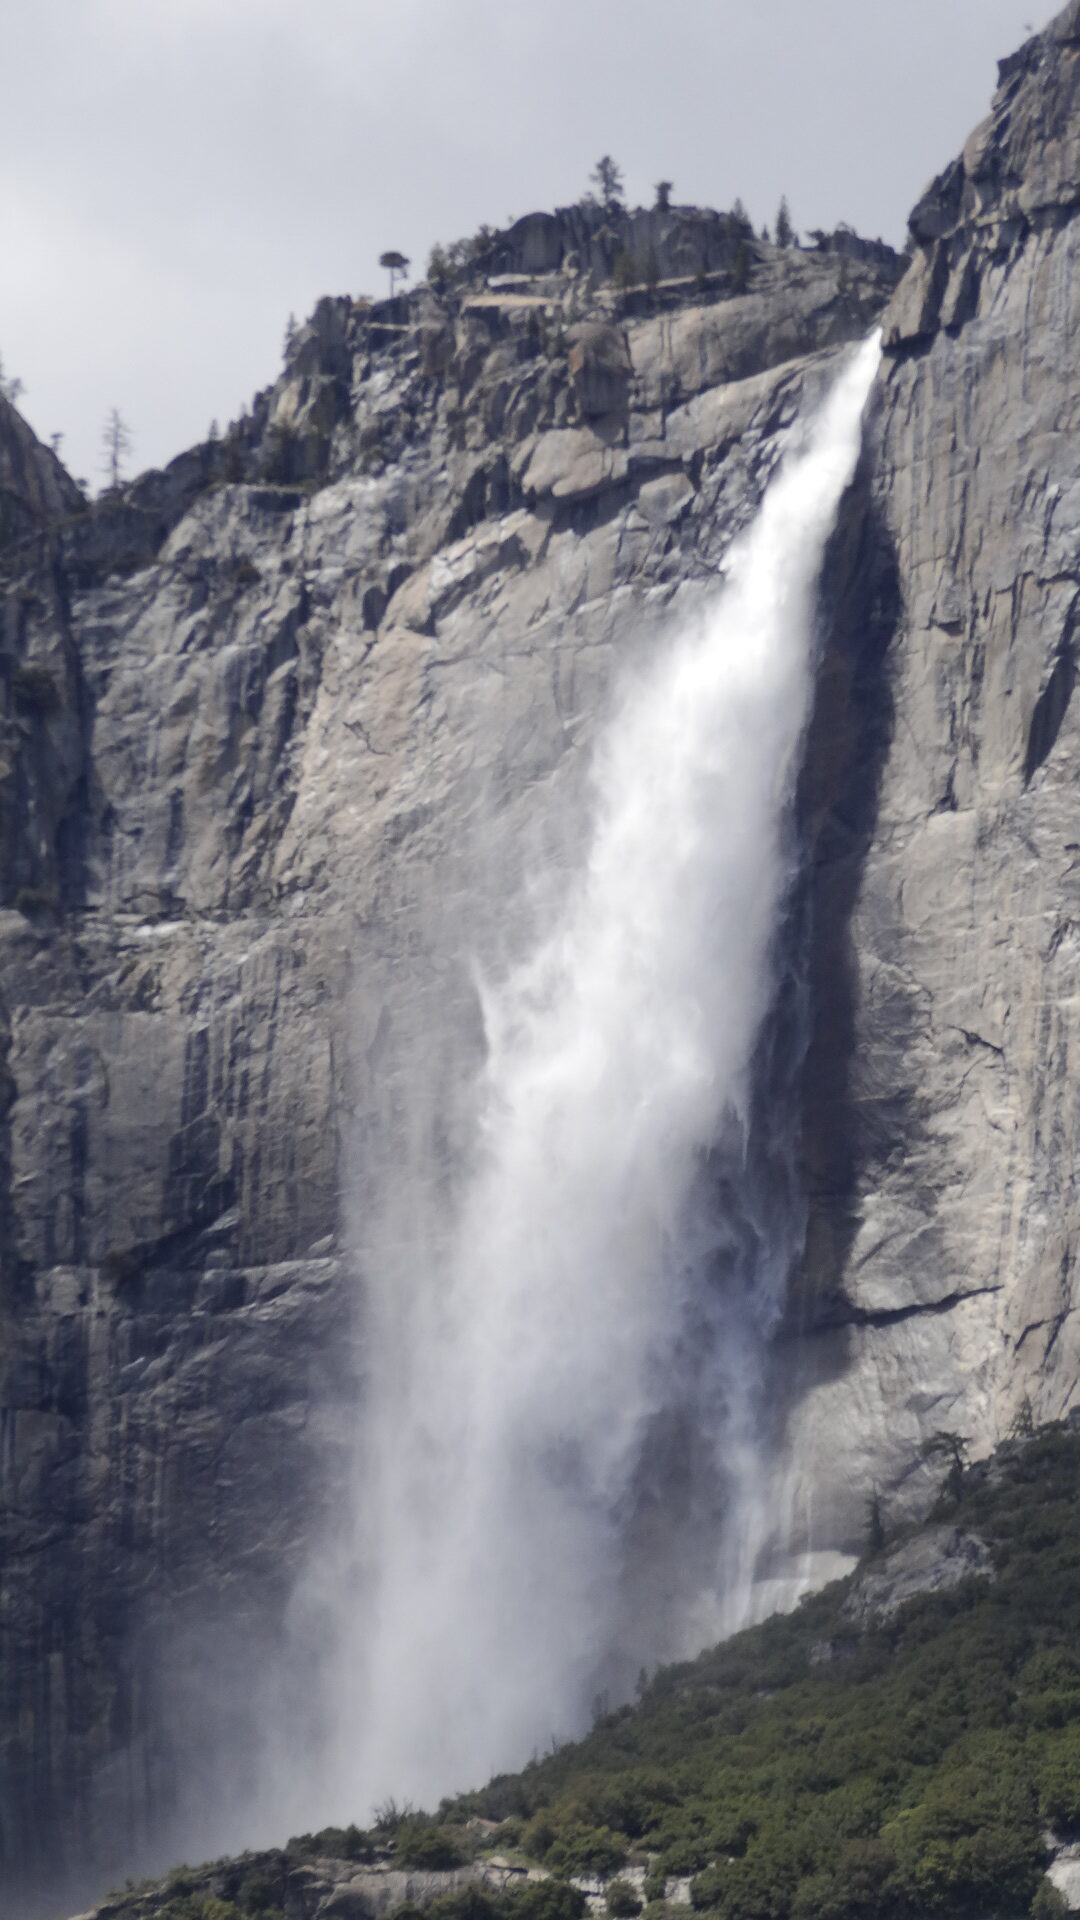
(177, 176)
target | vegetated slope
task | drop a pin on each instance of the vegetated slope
(838, 1762)
(808, 1768)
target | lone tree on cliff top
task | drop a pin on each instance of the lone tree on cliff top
(606, 178)
(116, 443)
(395, 264)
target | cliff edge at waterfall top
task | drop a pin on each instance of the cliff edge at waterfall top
(284, 728)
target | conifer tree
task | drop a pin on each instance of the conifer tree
(116, 442)
(606, 177)
(785, 232)
(396, 265)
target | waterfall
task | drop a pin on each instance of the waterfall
(561, 1478)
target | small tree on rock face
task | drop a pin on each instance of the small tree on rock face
(875, 1524)
(663, 195)
(953, 1447)
(1023, 1425)
(785, 232)
(116, 442)
(606, 177)
(396, 264)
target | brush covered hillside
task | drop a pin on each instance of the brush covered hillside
(906, 1743)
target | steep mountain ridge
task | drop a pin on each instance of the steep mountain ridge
(278, 724)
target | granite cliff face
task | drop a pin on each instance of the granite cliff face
(941, 1087)
(280, 729)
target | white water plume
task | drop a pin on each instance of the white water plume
(561, 1477)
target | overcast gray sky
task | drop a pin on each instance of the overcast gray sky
(177, 176)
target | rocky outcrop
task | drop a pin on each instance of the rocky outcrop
(933, 1561)
(34, 488)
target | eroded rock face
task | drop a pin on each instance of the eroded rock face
(282, 728)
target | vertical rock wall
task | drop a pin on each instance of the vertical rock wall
(940, 1290)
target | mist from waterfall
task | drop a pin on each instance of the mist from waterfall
(561, 1476)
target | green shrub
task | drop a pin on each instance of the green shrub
(464, 1903)
(430, 1848)
(622, 1901)
(582, 1849)
(543, 1900)
(1059, 1780)
(707, 1889)
(538, 1836)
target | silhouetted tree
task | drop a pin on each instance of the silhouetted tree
(785, 232)
(396, 264)
(663, 195)
(116, 442)
(1023, 1425)
(953, 1447)
(606, 177)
